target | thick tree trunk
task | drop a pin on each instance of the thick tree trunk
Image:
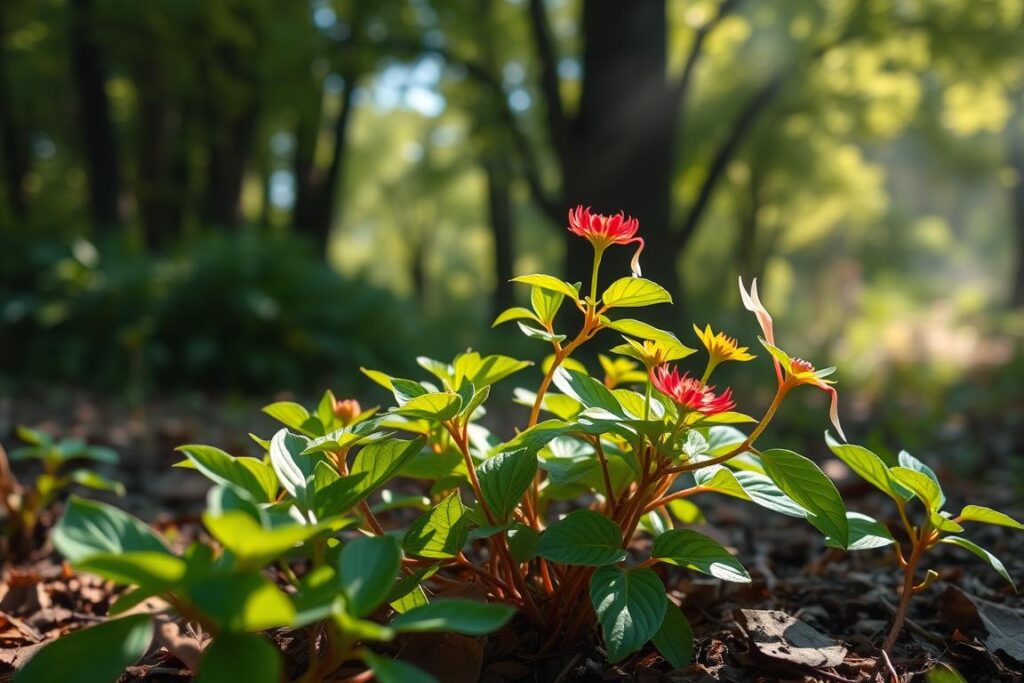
(619, 155)
(157, 192)
(13, 141)
(229, 156)
(96, 127)
(499, 205)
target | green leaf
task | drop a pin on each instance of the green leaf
(33, 437)
(249, 542)
(868, 466)
(143, 568)
(90, 528)
(866, 533)
(991, 559)
(630, 606)
(582, 537)
(458, 616)
(374, 465)
(504, 478)
(441, 532)
(522, 542)
(221, 468)
(912, 463)
(514, 313)
(675, 350)
(485, 371)
(98, 654)
(549, 283)
(922, 486)
(587, 391)
(986, 515)
(94, 480)
(800, 479)
(387, 670)
(288, 413)
(543, 335)
(435, 406)
(695, 551)
(674, 639)
(241, 601)
(546, 303)
(368, 567)
(240, 657)
(293, 469)
(633, 292)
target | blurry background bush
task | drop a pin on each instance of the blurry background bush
(248, 195)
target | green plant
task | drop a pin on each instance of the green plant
(911, 479)
(22, 505)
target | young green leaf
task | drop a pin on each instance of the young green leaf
(674, 639)
(293, 469)
(986, 515)
(387, 670)
(991, 559)
(143, 568)
(240, 657)
(368, 567)
(587, 391)
(866, 533)
(549, 283)
(441, 532)
(458, 616)
(222, 468)
(867, 465)
(537, 333)
(922, 486)
(522, 542)
(546, 303)
(238, 602)
(90, 528)
(251, 544)
(630, 606)
(912, 463)
(582, 537)
(514, 313)
(696, 551)
(631, 292)
(504, 478)
(802, 480)
(92, 480)
(435, 406)
(288, 413)
(98, 654)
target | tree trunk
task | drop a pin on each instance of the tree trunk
(229, 156)
(95, 125)
(1017, 163)
(499, 205)
(13, 141)
(620, 150)
(156, 191)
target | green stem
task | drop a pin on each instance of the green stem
(598, 253)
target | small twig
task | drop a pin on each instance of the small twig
(889, 666)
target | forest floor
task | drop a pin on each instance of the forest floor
(810, 614)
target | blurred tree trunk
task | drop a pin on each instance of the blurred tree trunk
(499, 205)
(232, 138)
(1017, 163)
(13, 141)
(96, 127)
(160, 186)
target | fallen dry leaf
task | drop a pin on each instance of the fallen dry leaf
(780, 637)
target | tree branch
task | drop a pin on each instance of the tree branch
(557, 123)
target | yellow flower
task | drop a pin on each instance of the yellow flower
(722, 347)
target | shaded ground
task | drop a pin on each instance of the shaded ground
(969, 618)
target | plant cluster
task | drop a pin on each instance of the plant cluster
(324, 505)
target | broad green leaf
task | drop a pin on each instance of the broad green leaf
(504, 478)
(943, 521)
(346, 437)
(912, 463)
(537, 333)
(479, 398)
(867, 465)
(90, 528)
(587, 391)
(763, 491)
(144, 568)
(250, 543)
(514, 313)
(264, 474)
(674, 639)
(293, 469)
(435, 406)
(288, 413)
(991, 559)
(93, 480)
(866, 533)
(486, 370)
(368, 567)
(582, 537)
(986, 515)
(240, 657)
(374, 465)
(633, 292)
(361, 629)
(33, 437)
(222, 468)
(670, 345)
(686, 511)
(98, 654)
(241, 601)
(99, 454)
(522, 542)
(549, 283)
(546, 303)
(387, 670)
(800, 479)
(441, 532)
(630, 606)
(537, 436)
(695, 551)
(458, 616)
(922, 486)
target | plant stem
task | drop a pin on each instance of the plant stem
(908, 592)
(598, 253)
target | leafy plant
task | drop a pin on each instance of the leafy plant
(22, 505)
(633, 446)
(908, 481)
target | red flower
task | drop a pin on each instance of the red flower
(689, 392)
(603, 231)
